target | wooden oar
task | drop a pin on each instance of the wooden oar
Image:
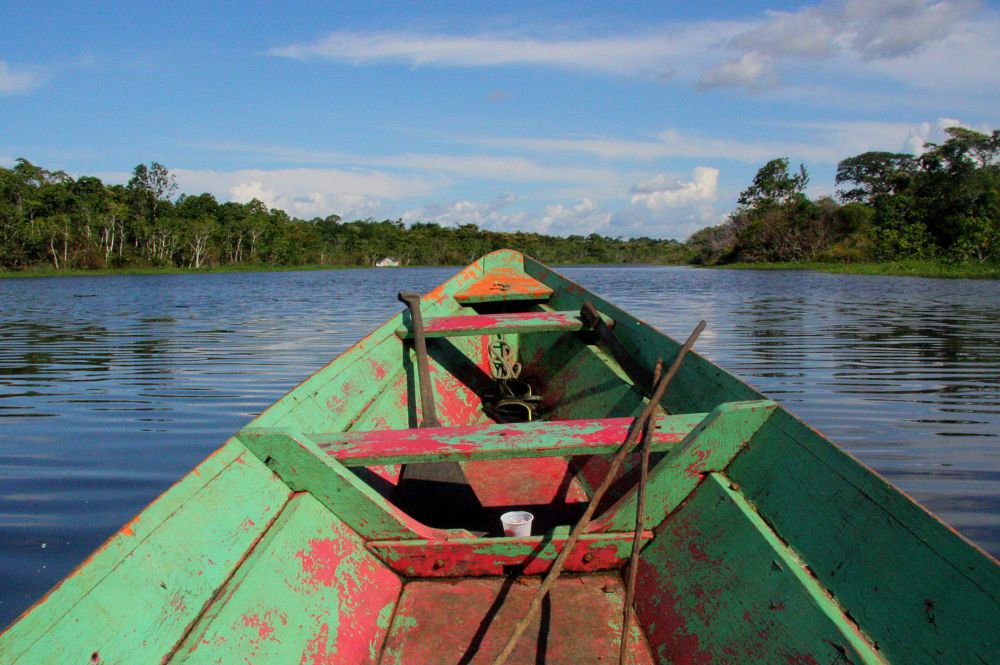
(412, 301)
(616, 464)
(640, 509)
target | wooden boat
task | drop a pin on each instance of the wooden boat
(337, 527)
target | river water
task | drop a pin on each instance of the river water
(113, 387)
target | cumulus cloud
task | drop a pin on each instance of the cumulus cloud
(493, 214)
(668, 206)
(18, 80)
(582, 218)
(308, 192)
(664, 191)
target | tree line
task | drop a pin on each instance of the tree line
(943, 204)
(50, 218)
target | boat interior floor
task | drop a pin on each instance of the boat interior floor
(468, 620)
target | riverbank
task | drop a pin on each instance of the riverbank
(98, 272)
(911, 268)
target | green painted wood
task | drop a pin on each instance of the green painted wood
(82, 580)
(710, 446)
(499, 324)
(142, 605)
(716, 585)
(560, 438)
(699, 385)
(916, 588)
(309, 592)
(304, 467)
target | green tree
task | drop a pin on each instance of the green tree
(874, 174)
(774, 184)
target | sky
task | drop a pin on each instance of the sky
(623, 119)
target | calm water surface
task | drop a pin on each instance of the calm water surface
(113, 387)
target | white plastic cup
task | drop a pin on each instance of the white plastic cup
(517, 523)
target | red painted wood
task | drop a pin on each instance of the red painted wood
(486, 324)
(468, 621)
(494, 441)
(503, 284)
(495, 556)
(529, 481)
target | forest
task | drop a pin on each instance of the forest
(47, 218)
(942, 205)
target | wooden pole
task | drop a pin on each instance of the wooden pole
(640, 509)
(412, 301)
(616, 464)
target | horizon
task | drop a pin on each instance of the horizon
(634, 121)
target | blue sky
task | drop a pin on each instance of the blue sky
(641, 119)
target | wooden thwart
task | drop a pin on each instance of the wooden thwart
(533, 555)
(564, 438)
(491, 324)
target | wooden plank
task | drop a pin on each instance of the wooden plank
(716, 585)
(709, 447)
(562, 438)
(310, 592)
(465, 557)
(42, 616)
(467, 621)
(143, 605)
(503, 285)
(492, 324)
(915, 587)
(304, 467)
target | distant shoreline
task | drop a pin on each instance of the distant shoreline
(909, 268)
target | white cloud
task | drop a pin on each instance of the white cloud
(825, 142)
(17, 80)
(582, 218)
(664, 191)
(308, 192)
(955, 41)
(750, 71)
(491, 214)
(648, 54)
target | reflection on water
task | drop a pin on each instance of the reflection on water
(112, 387)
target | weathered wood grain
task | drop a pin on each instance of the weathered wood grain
(560, 438)
(143, 604)
(716, 585)
(494, 324)
(531, 555)
(304, 467)
(310, 592)
(915, 587)
(709, 447)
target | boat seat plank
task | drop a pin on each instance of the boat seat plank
(141, 611)
(491, 324)
(561, 438)
(502, 285)
(532, 555)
